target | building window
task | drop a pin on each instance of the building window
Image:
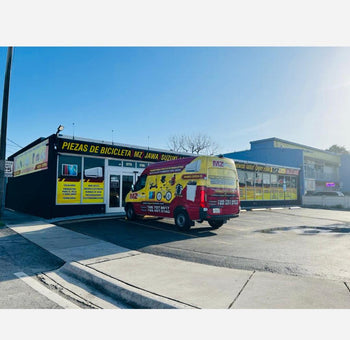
(242, 186)
(267, 186)
(250, 185)
(258, 186)
(93, 180)
(274, 187)
(69, 180)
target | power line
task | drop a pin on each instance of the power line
(14, 143)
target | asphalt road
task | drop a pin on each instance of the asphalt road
(301, 242)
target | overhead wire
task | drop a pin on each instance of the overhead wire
(21, 147)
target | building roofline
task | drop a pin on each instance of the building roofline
(27, 147)
(292, 143)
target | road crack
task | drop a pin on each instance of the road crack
(347, 286)
(240, 292)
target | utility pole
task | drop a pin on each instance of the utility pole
(5, 103)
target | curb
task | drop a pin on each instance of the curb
(119, 290)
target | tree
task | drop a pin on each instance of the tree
(197, 143)
(338, 149)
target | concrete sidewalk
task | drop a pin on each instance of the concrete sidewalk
(149, 281)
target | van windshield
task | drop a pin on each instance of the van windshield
(141, 183)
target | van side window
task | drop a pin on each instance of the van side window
(193, 166)
(141, 183)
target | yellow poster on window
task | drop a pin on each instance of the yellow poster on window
(93, 191)
(68, 191)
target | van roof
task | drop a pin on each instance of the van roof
(167, 164)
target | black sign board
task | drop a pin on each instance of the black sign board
(113, 151)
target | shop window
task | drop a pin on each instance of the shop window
(129, 164)
(293, 188)
(274, 187)
(241, 177)
(266, 186)
(93, 180)
(281, 181)
(69, 167)
(69, 179)
(250, 185)
(113, 162)
(258, 185)
(287, 192)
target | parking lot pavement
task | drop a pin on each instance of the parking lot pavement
(151, 281)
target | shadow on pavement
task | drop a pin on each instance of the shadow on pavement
(139, 234)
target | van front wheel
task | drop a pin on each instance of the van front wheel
(130, 213)
(182, 220)
(216, 224)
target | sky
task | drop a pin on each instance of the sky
(144, 95)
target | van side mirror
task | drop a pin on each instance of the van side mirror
(132, 187)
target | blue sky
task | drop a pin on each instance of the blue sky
(147, 94)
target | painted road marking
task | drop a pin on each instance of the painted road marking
(46, 291)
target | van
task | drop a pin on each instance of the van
(202, 188)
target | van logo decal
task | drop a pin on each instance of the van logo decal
(168, 196)
(218, 164)
(172, 180)
(194, 176)
(178, 191)
(159, 196)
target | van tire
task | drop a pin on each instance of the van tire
(182, 220)
(216, 224)
(130, 213)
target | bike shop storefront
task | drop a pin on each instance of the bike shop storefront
(65, 176)
(100, 173)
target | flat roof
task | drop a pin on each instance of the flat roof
(292, 143)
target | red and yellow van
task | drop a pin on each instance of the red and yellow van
(203, 188)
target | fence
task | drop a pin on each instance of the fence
(327, 201)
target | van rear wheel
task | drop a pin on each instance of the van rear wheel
(182, 220)
(216, 224)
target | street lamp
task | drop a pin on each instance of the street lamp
(59, 129)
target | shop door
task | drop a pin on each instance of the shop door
(113, 204)
(119, 185)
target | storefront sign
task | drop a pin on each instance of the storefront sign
(268, 169)
(113, 151)
(32, 160)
